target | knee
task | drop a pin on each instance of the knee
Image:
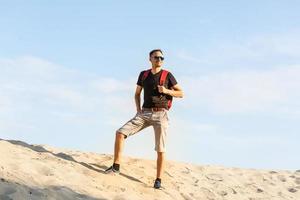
(120, 136)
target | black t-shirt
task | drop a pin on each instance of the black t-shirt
(152, 98)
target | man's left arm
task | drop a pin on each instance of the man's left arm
(175, 91)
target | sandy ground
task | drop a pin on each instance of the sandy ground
(35, 172)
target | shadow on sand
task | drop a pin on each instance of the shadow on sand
(67, 157)
(16, 191)
(64, 156)
(122, 174)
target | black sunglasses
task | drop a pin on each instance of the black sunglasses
(158, 57)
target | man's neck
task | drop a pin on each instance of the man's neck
(155, 69)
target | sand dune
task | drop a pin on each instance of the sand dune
(40, 172)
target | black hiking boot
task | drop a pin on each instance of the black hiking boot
(157, 183)
(115, 169)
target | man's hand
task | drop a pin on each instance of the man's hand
(138, 110)
(175, 91)
(162, 89)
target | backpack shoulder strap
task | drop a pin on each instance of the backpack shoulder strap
(162, 81)
(163, 77)
(145, 74)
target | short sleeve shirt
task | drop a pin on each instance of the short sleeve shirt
(152, 97)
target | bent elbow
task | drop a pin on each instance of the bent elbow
(181, 94)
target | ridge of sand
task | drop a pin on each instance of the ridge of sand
(38, 172)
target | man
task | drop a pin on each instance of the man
(159, 88)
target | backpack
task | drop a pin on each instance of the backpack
(162, 81)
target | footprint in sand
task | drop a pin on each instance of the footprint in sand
(259, 190)
(281, 178)
(273, 172)
(187, 171)
(292, 190)
(222, 193)
(214, 177)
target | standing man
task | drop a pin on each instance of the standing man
(159, 87)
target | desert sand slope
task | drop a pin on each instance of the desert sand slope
(40, 172)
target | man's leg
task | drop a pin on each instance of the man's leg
(133, 126)
(129, 128)
(160, 128)
(159, 169)
(160, 164)
(119, 144)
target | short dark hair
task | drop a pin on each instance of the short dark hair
(155, 50)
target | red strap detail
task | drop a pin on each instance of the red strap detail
(169, 104)
(146, 73)
(163, 77)
(162, 82)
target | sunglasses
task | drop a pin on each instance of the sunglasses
(159, 57)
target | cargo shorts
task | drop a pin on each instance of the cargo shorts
(158, 119)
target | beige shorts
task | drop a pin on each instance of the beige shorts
(158, 119)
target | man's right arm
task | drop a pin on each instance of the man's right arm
(137, 98)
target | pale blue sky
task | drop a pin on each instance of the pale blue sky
(69, 68)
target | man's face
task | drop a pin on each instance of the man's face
(157, 59)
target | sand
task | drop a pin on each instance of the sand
(37, 172)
